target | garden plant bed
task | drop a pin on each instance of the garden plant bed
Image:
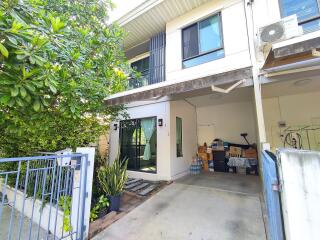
(130, 199)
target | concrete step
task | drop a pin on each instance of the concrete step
(141, 186)
(147, 190)
(133, 180)
(132, 185)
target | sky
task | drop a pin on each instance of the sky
(123, 6)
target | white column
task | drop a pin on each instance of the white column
(79, 180)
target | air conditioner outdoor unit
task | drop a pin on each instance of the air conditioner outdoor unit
(279, 31)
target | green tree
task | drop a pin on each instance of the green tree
(58, 61)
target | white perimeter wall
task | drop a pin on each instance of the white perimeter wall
(234, 37)
(300, 195)
(187, 112)
(160, 110)
(295, 110)
(227, 121)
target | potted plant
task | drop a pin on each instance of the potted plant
(112, 179)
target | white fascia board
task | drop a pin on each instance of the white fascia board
(136, 12)
(301, 38)
(159, 85)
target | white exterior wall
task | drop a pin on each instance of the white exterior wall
(227, 121)
(187, 112)
(265, 12)
(234, 37)
(295, 110)
(159, 110)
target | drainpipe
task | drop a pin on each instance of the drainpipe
(255, 73)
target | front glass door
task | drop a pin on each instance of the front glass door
(135, 135)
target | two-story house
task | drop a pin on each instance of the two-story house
(207, 73)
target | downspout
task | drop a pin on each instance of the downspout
(255, 73)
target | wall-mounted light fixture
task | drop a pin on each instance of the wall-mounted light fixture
(115, 126)
(160, 122)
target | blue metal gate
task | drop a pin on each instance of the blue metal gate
(272, 199)
(43, 197)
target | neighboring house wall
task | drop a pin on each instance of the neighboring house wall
(234, 38)
(295, 110)
(103, 146)
(228, 121)
(187, 112)
(160, 110)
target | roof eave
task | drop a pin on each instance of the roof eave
(138, 11)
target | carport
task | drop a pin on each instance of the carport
(209, 206)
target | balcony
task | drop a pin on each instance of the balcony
(151, 68)
(138, 82)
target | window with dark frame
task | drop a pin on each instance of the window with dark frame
(141, 66)
(307, 11)
(133, 141)
(179, 136)
(202, 41)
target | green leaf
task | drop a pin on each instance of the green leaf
(56, 24)
(5, 99)
(30, 87)
(14, 91)
(11, 102)
(20, 102)
(23, 92)
(53, 89)
(36, 105)
(4, 51)
(12, 40)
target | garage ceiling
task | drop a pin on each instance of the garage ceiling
(291, 87)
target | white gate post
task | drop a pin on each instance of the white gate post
(77, 202)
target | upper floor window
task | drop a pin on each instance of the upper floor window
(202, 42)
(141, 66)
(307, 11)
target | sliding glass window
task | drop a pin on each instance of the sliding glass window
(138, 143)
(179, 136)
(308, 12)
(202, 42)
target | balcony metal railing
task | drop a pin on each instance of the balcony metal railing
(141, 81)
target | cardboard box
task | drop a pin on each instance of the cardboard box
(235, 151)
(202, 149)
(250, 153)
(205, 166)
(204, 156)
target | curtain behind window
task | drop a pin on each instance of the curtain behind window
(148, 126)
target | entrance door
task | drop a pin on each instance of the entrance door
(135, 134)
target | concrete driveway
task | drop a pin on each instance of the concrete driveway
(204, 207)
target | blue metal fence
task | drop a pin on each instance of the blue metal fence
(272, 199)
(38, 194)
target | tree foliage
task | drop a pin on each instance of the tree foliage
(58, 61)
